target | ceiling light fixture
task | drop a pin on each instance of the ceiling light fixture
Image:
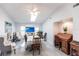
(34, 14)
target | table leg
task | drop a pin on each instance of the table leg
(14, 51)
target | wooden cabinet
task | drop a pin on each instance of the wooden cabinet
(74, 48)
(65, 47)
(64, 42)
(57, 42)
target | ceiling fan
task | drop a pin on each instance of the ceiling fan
(33, 11)
(31, 8)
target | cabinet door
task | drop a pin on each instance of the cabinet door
(64, 47)
(64, 44)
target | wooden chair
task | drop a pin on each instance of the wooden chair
(36, 45)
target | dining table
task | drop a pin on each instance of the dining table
(31, 41)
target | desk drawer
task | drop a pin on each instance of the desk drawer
(64, 50)
(64, 44)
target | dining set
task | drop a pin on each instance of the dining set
(34, 42)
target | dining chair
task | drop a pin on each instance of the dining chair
(36, 45)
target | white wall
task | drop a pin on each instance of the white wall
(4, 17)
(58, 26)
(76, 23)
(69, 25)
(61, 14)
(48, 28)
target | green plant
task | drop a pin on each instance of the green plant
(65, 29)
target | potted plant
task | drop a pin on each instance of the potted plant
(65, 30)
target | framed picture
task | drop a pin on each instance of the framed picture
(8, 27)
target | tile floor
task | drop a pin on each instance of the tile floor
(45, 50)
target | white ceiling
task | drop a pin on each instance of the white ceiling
(19, 11)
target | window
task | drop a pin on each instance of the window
(22, 28)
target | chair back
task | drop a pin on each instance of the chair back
(1, 39)
(45, 37)
(36, 40)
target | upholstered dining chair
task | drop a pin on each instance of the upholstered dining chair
(4, 49)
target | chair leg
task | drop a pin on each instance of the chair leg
(39, 51)
(2, 54)
(41, 45)
(33, 52)
(14, 51)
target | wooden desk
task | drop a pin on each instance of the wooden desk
(57, 42)
(63, 41)
(74, 48)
